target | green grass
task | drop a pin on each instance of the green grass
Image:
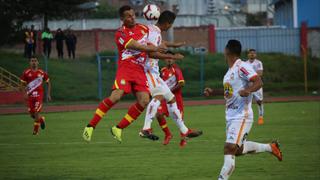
(59, 152)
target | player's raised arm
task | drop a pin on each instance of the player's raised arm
(134, 45)
(162, 56)
(173, 44)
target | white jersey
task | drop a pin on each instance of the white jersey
(155, 38)
(236, 79)
(256, 65)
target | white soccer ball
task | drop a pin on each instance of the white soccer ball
(151, 12)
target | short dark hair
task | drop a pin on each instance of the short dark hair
(249, 50)
(167, 17)
(33, 57)
(124, 8)
(234, 47)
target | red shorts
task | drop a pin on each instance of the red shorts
(130, 79)
(163, 109)
(35, 104)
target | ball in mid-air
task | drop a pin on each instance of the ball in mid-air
(151, 12)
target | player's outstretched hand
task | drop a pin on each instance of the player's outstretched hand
(178, 56)
(162, 48)
(208, 92)
(244, 93)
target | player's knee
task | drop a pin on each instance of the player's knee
(158, 97)
(144, 101)
(159, 116)
(239, 151)
(259, 102)
(116, 95)
(173, 100)
(230, 148)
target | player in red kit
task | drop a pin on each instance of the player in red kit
(133, 49)
(32, 80)
(173, 77)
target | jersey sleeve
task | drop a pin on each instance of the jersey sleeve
(45, 77)
(23, 77)
(246, 72)
(259, 66)
(122, 39)
(178, 74)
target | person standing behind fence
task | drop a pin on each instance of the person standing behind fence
(71, 42)
(35, 38)
(29, 43)
(47, 39)
(59, 37)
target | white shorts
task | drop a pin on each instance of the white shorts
(237, 131)
(158, 87)
(258, 95)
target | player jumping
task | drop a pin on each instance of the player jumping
(158, 88)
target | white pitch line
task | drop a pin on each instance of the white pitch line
(72, 143)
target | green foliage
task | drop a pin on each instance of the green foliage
(59, 152)
(104, 11)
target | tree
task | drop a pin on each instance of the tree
(257, 19)
(14, 12)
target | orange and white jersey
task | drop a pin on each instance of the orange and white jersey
(237, 78)
(256, 65)
(155, 38)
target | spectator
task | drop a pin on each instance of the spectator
(47, 39)
(35, 38)
(28, 43)
(59, 37)
(71, 42)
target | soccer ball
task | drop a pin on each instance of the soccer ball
(151, 12)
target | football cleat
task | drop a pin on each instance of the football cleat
(148, 134)
(191, 134)
(42, 123)
(167, 139)
(87, 133)
(275, 147)
(260, 120)
(116, 133)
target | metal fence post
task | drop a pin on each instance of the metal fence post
(201, 73)
(99, 76)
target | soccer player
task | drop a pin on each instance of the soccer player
(158, 88)
(258, 95)
(239, 82)
(32, 80)
(173, 77)
(131, 40)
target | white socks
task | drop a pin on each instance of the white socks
(176, 116)
(253, 147)
(151, 113)
(261, 109)
(228, 167)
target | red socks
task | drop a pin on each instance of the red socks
(163, 124)
(102, 109)
(133, 113)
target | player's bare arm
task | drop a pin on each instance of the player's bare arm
(162, 56)
(134, 45)
(178, 86)
(260, 73)
(256, 84)
(173, 44)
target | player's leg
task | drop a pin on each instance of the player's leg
(104, 106)
(133, 113)
(164, 126)
(151, 111)
(258, 96)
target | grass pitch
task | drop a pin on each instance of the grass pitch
(59, 152)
